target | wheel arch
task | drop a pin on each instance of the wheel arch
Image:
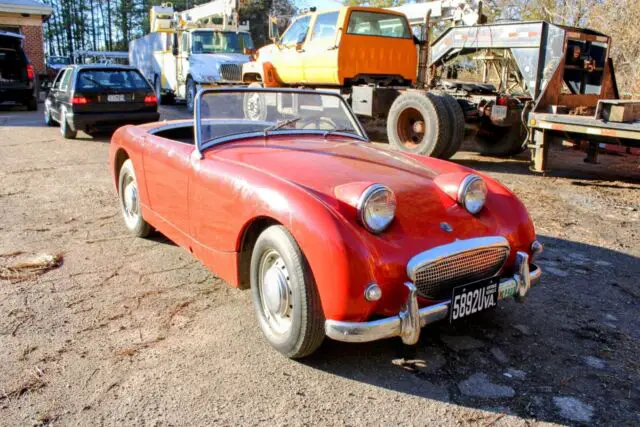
(119, 158)
(246, 241)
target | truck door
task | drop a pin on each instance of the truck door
(320, 56)
(288, 61)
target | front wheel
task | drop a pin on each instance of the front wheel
(284, 294)
(191, 94)
(254, 104)
(65, 129)
(130, 201)
(48, 120)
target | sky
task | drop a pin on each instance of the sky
(320, 4)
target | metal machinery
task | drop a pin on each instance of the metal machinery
(559, 79)
(200, 47)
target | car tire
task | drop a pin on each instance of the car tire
(456, 123)
(284, 294)
(254, 104)
(128, 197)
(32, 104)
(416, 123)
(190, 95)
(48, 120)
(65, 129)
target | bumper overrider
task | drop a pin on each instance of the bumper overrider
(411, 319)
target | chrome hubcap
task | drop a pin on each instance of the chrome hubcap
(253, 106)
(275, 292)
(190, 96)
(130, 204)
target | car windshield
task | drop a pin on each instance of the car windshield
(378, 24)
(227, 114)
(220, 42)
(58, 60)
(111, 79)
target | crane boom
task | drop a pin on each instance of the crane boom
(458, 11)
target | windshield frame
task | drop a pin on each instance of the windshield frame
(201, 146)
(242, 34)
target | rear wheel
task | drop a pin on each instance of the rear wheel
(284, 294)
(65, 129)
(417, 124)
(130, 201)
(255, 104)
(501, 141)
(191, 94)
(456, 125)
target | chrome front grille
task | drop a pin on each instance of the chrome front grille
(231, 72)
(435, 278)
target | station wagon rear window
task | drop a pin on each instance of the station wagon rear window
(378, 24)
(111, 79)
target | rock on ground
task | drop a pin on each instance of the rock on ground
(479, 385)
(573, 409)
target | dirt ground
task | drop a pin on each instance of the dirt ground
(135, 331)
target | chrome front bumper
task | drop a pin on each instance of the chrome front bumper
(411, 319)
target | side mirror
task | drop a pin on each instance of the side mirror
(299, 47)
(274, 32)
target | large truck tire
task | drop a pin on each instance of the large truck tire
(417, 123)
(501, 141)
(165, 99)
(254, 104)
(456, 124)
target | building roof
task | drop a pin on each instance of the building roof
(31, 7)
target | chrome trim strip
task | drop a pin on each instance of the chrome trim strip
(457, 247)
(408, 323)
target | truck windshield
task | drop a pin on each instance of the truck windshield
(378, 24)
(220, 42)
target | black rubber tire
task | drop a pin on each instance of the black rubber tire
(32, 104)
(158, 91)
(141, 228)
(263, 111)
(436, 134)
(456, 125)
(190, 91)
(65, 129)
(307, 324)
(501, 141)
(48, 120)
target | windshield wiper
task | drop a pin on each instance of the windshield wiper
(280, 124)
(96, 82)
(334, 130)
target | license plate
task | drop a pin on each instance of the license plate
(115, 98)
(474, 298)
(499, 112)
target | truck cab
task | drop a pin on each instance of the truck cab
(341, 48)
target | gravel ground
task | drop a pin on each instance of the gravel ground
(135, 331)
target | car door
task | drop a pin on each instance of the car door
(63, 93)
(51, 96)
(320, 56)
(167, 167)
(288, 58)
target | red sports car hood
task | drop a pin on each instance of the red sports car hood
(335, 170)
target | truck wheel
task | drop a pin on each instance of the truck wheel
(157, 86)
(456, 121)
(255, 104)
(191, 94)
(501, 141)
(284, 294)
(417, 124)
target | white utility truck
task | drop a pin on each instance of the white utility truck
(200, 47)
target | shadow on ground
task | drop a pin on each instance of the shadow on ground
(576, 337)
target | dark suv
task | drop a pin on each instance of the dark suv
(95, 98)
(17, 78)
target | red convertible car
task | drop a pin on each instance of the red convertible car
(334, 236)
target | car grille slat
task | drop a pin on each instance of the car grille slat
(231, 72)
(435, 280)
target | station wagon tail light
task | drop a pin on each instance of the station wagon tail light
(150, 100)
(472, 193)
(30, 72)
(79, 100)
(376, 208)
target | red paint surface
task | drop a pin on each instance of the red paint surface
(311, 185)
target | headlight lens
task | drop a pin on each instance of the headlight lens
(472, 193)
(377, 208)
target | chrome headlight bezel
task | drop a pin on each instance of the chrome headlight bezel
(369, 196)
(472, 182)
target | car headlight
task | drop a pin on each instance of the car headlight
(376, 208)
(472, 193)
